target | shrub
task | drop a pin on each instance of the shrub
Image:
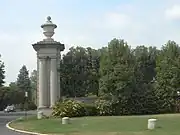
(69, 108)
(20, 107)
(90, 109)
(104, 107)
(31, 106)
(27, 105)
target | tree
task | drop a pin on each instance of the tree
(9, 96)
(23, 81)
(168, 76)
(73, 73)
(79, 72)
(33, 79)
(117, 75)
(126, 78)
(93, 71)
(143, 99)
(2, 72)
(13, 86)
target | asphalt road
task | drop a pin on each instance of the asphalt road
(6, 117)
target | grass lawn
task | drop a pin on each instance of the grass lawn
(168, 124)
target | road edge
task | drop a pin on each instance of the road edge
(22, 131)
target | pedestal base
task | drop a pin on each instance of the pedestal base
(46, 111)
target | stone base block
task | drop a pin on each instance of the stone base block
(65, 120)
(151, 123)
(46, 111)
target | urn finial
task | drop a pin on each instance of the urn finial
(48, 29)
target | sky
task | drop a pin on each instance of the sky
(84, 23)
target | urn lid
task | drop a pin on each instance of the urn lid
(48, 23)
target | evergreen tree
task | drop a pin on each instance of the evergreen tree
(33, 79)
(2, 72)
(23, 81)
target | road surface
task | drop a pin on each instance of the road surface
(6, 117)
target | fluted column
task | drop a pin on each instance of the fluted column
(48, 81)
(53, 82)
(42, 84)
(58, 74)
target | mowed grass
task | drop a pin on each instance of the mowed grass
(168, 124)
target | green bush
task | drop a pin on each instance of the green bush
(90, 110)
(31, 106)
(69, 108)
(104, 107)
(21, 106)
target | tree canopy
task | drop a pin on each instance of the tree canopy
(141, 80)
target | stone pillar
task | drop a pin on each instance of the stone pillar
(53, 82)
(37, 85)
(42, 84)
(48, 82)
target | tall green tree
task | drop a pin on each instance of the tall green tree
(168, 76)
(23, 81)
(93, 71)
(117, 74)
(143, 99)
(33, 79)
(2, 73)
(73, 72)
(80, 72)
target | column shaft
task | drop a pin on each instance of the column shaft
(58, 74)
(48, 82)
(42, 84)
(53, 82)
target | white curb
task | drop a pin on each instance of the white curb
(22, 131)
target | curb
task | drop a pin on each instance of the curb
(22, 131)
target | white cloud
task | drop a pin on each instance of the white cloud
(173, 12)
(111, 20)
(116, 20)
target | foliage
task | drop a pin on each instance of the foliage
(90, 109)
(168, 76)
(117, 80)
(126, 80)
(74, 108)
(79, 72)
(68, 108)
(9, 96)
(23, 81)
(2, 72)
(141, 80)
(31, 106)
(104, 107)
(33, 79)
